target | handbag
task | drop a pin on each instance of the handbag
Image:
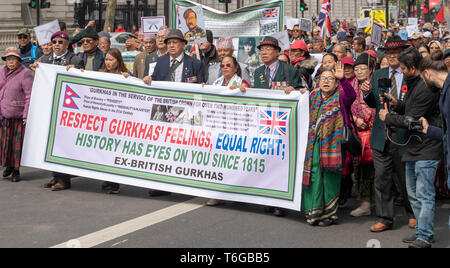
(350, 140)
(367, 154)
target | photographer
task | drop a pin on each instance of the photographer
(421, 154)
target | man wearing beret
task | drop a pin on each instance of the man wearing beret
(61, 55)
(92, 57)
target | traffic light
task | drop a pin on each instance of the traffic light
(32, 4)
(45, 4)
(303, 6)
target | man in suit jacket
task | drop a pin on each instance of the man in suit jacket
(161, 50)
(139, 62)
(177, 66)
(275, 74)
(387, 155)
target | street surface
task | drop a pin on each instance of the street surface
(85, 216)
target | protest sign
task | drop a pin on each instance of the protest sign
(306, 25)
(411, 29)
(291, 22)
(192, 24)
(377, 30)
(209, 142)
(363, 23)
(45, 31)
(151, 25)
(283, 40)
(129, 58)
(259, 19)
(412, 21)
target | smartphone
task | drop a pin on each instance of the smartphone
(384, 83)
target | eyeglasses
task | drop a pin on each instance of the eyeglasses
(362, 69)
(226, 65)
(58, 42)
(88, 41)
(296, 31)
(327, 79)
(161, 37)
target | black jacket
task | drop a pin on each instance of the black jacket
(69, 59)
(99, 59)
(209, 59)
(420, 101)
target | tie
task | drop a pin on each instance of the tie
(394, 85)
(172, 75)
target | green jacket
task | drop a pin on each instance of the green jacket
(262, 80)
(378, 138)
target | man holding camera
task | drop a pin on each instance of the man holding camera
(421, 154)
(387, 155)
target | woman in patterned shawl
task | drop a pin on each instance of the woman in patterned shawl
(329, 112)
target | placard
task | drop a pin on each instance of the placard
(306, 25)
(364, 23)
(151, 25)
(45, 31)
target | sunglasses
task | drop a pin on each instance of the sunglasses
(54, 42)
(296, 31)
(88, 41)
(22, 37)
(226, 65)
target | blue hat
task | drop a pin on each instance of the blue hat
(342, 36)
(403, 35)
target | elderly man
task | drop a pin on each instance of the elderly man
(60, 56)
(208, 53)
(139, 62)
(416, 39)
(161, 50)
(104, 41)
(177, 66)
(93, 57)
(28, 52)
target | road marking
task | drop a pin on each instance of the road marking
(133, 225)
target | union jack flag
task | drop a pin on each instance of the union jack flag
(273, 123)
(324, 21)
(270, 13)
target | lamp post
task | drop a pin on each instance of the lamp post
(128, 15)
(99, 24)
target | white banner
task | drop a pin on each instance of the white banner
(210, 142)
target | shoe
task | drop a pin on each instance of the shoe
(8, 171)
(279, 212)
(409, 239)
(379, 227)
(342, 203)
(412, 223)
(106, 186)
(50, 184)
(60, 186)
(15, 176)
(326, 223)
(362, 210)
(114, 191)
(214, 202)
(419, 244)
(157, 193)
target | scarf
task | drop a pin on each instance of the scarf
(297, 61)
(327, 127)
(359, 107)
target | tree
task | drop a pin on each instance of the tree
(110, 15)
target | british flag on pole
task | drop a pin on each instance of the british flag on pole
(273, 123)
(324, 21)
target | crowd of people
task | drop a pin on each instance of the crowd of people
(389, 102)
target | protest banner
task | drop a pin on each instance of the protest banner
(260, 19)
(209, 142)
(363, 23)
(377, 30)
(151, 25)
(129, 58)
(45, 31)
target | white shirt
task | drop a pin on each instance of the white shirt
(179, 70)
(398, 79)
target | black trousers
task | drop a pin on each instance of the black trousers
(386, 164)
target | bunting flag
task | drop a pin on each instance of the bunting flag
(324, 21)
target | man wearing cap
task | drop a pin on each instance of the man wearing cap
(139, 62)
(386, 154)
(224, 49)
(92, 57)
(60, 55)
(177, 66)
(416, 39)
(28, 52)
(208, 54)
(427, 36)
(275, 74)
(161, 50)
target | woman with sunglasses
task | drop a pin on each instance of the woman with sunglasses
(329, 113)
(231, 73)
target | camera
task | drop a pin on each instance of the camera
(413, 124)
(384, 84)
